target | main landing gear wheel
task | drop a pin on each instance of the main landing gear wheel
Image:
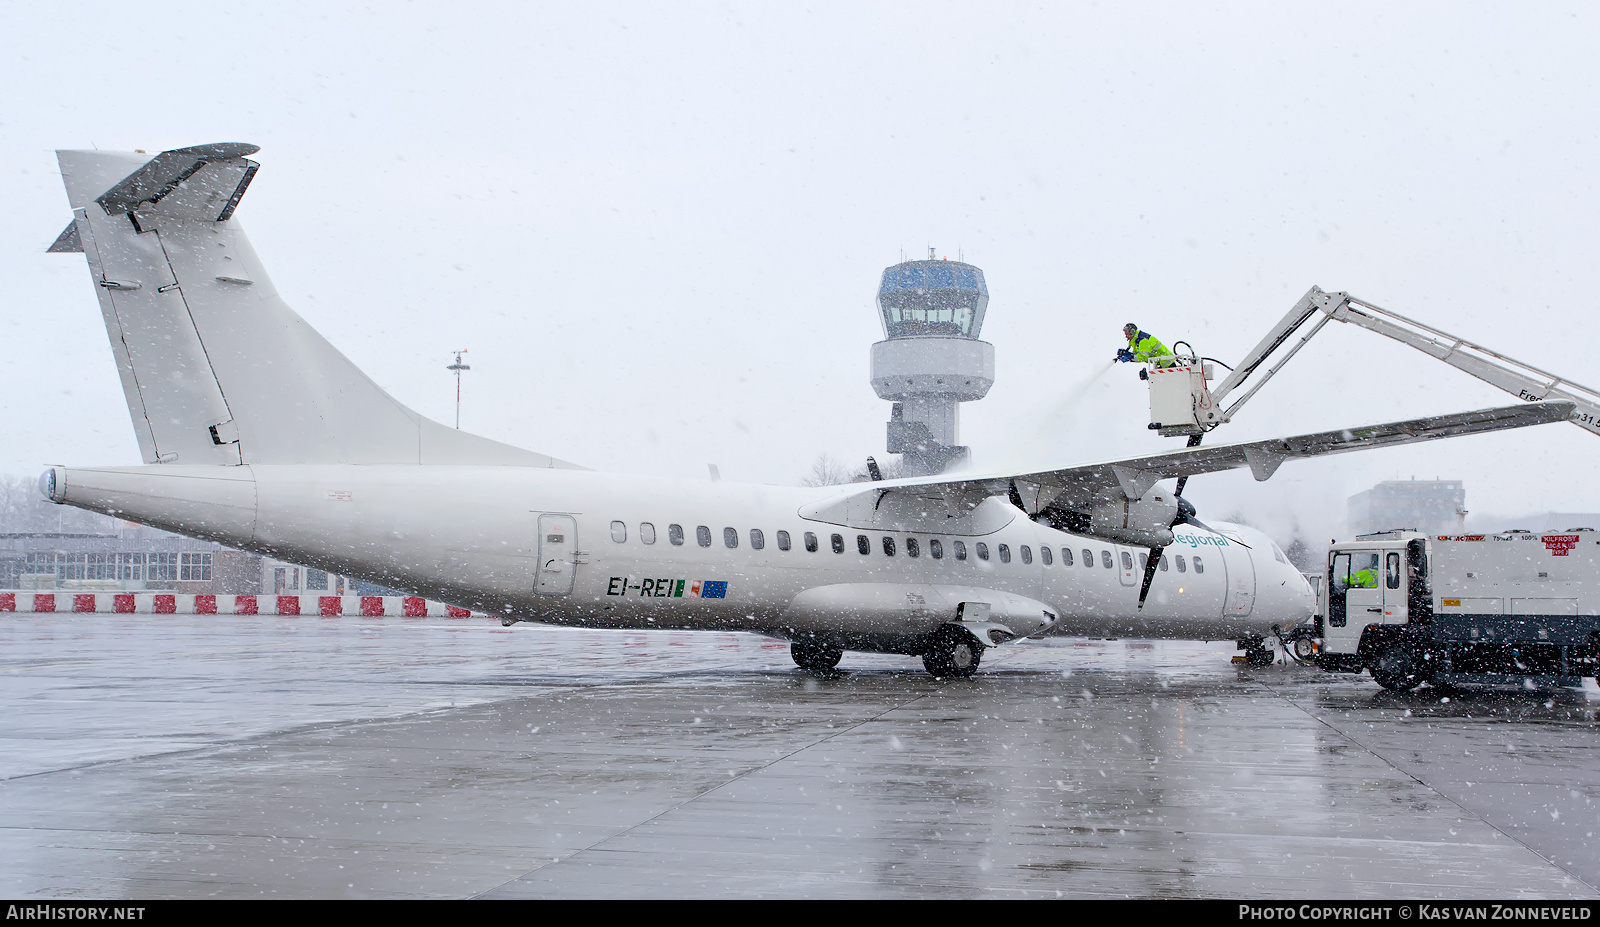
(1396, 668)
(952, 653)
(815, 657)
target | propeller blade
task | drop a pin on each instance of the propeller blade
(1149, 573)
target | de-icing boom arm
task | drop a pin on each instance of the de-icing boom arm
(1521, 380)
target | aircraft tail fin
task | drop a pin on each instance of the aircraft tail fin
(216, 368)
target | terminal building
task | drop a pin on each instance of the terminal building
(135, 558)
(1429, 506)
(931, 359)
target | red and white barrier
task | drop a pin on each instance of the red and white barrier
(166, 603)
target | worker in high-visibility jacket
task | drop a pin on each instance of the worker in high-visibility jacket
(1142, 346)
(1366, 578)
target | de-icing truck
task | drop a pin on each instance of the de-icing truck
(1516, 608)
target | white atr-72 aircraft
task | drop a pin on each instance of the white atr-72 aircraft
(256, 432)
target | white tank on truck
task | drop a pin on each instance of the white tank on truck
(1517, 608)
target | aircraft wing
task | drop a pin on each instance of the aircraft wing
(1082, 498)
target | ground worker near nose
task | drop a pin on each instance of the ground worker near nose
(1142, 346)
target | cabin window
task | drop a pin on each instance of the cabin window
(1198, 566)
(838, 543)
(758, 541)
(783, 540)
(647, 532)
(961, 550)
(1162, 563)
(936, 548)
(675, 535)
(1027, 554)
(619, 531)
(863, 545)
(1181, 567)
(730, 538)
(1005, 553)
(811, 542)
(912, 548)
(983, 551)
(1046, 556)
(1144, 561)
(1127, 560)
(888, 546)
(1088, 558)
(1066, 556)
(1105, 560)
(703, 535)
(1391, 571)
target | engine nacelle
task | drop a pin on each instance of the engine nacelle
(1143, 523)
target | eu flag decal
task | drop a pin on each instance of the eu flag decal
(714, 589)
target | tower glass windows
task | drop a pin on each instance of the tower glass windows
(933, 298)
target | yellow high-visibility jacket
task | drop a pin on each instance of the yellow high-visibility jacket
(1145, 346)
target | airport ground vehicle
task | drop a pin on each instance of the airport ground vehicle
(1514, 608)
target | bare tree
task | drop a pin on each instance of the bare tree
(826, 471)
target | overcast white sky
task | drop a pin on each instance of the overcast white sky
(658, 228)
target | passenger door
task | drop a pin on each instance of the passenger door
(558, 554)
(1241, 581)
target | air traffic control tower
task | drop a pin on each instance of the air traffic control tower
(931, 360)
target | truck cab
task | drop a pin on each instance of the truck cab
(1378, 597)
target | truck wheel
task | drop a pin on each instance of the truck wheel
(1304, 649)
(1396, 668)
(952, 653)
(815, 657)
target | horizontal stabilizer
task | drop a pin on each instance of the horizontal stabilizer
(214, 198)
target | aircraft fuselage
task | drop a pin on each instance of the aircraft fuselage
(589, 549)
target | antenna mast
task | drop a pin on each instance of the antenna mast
(456, 368)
